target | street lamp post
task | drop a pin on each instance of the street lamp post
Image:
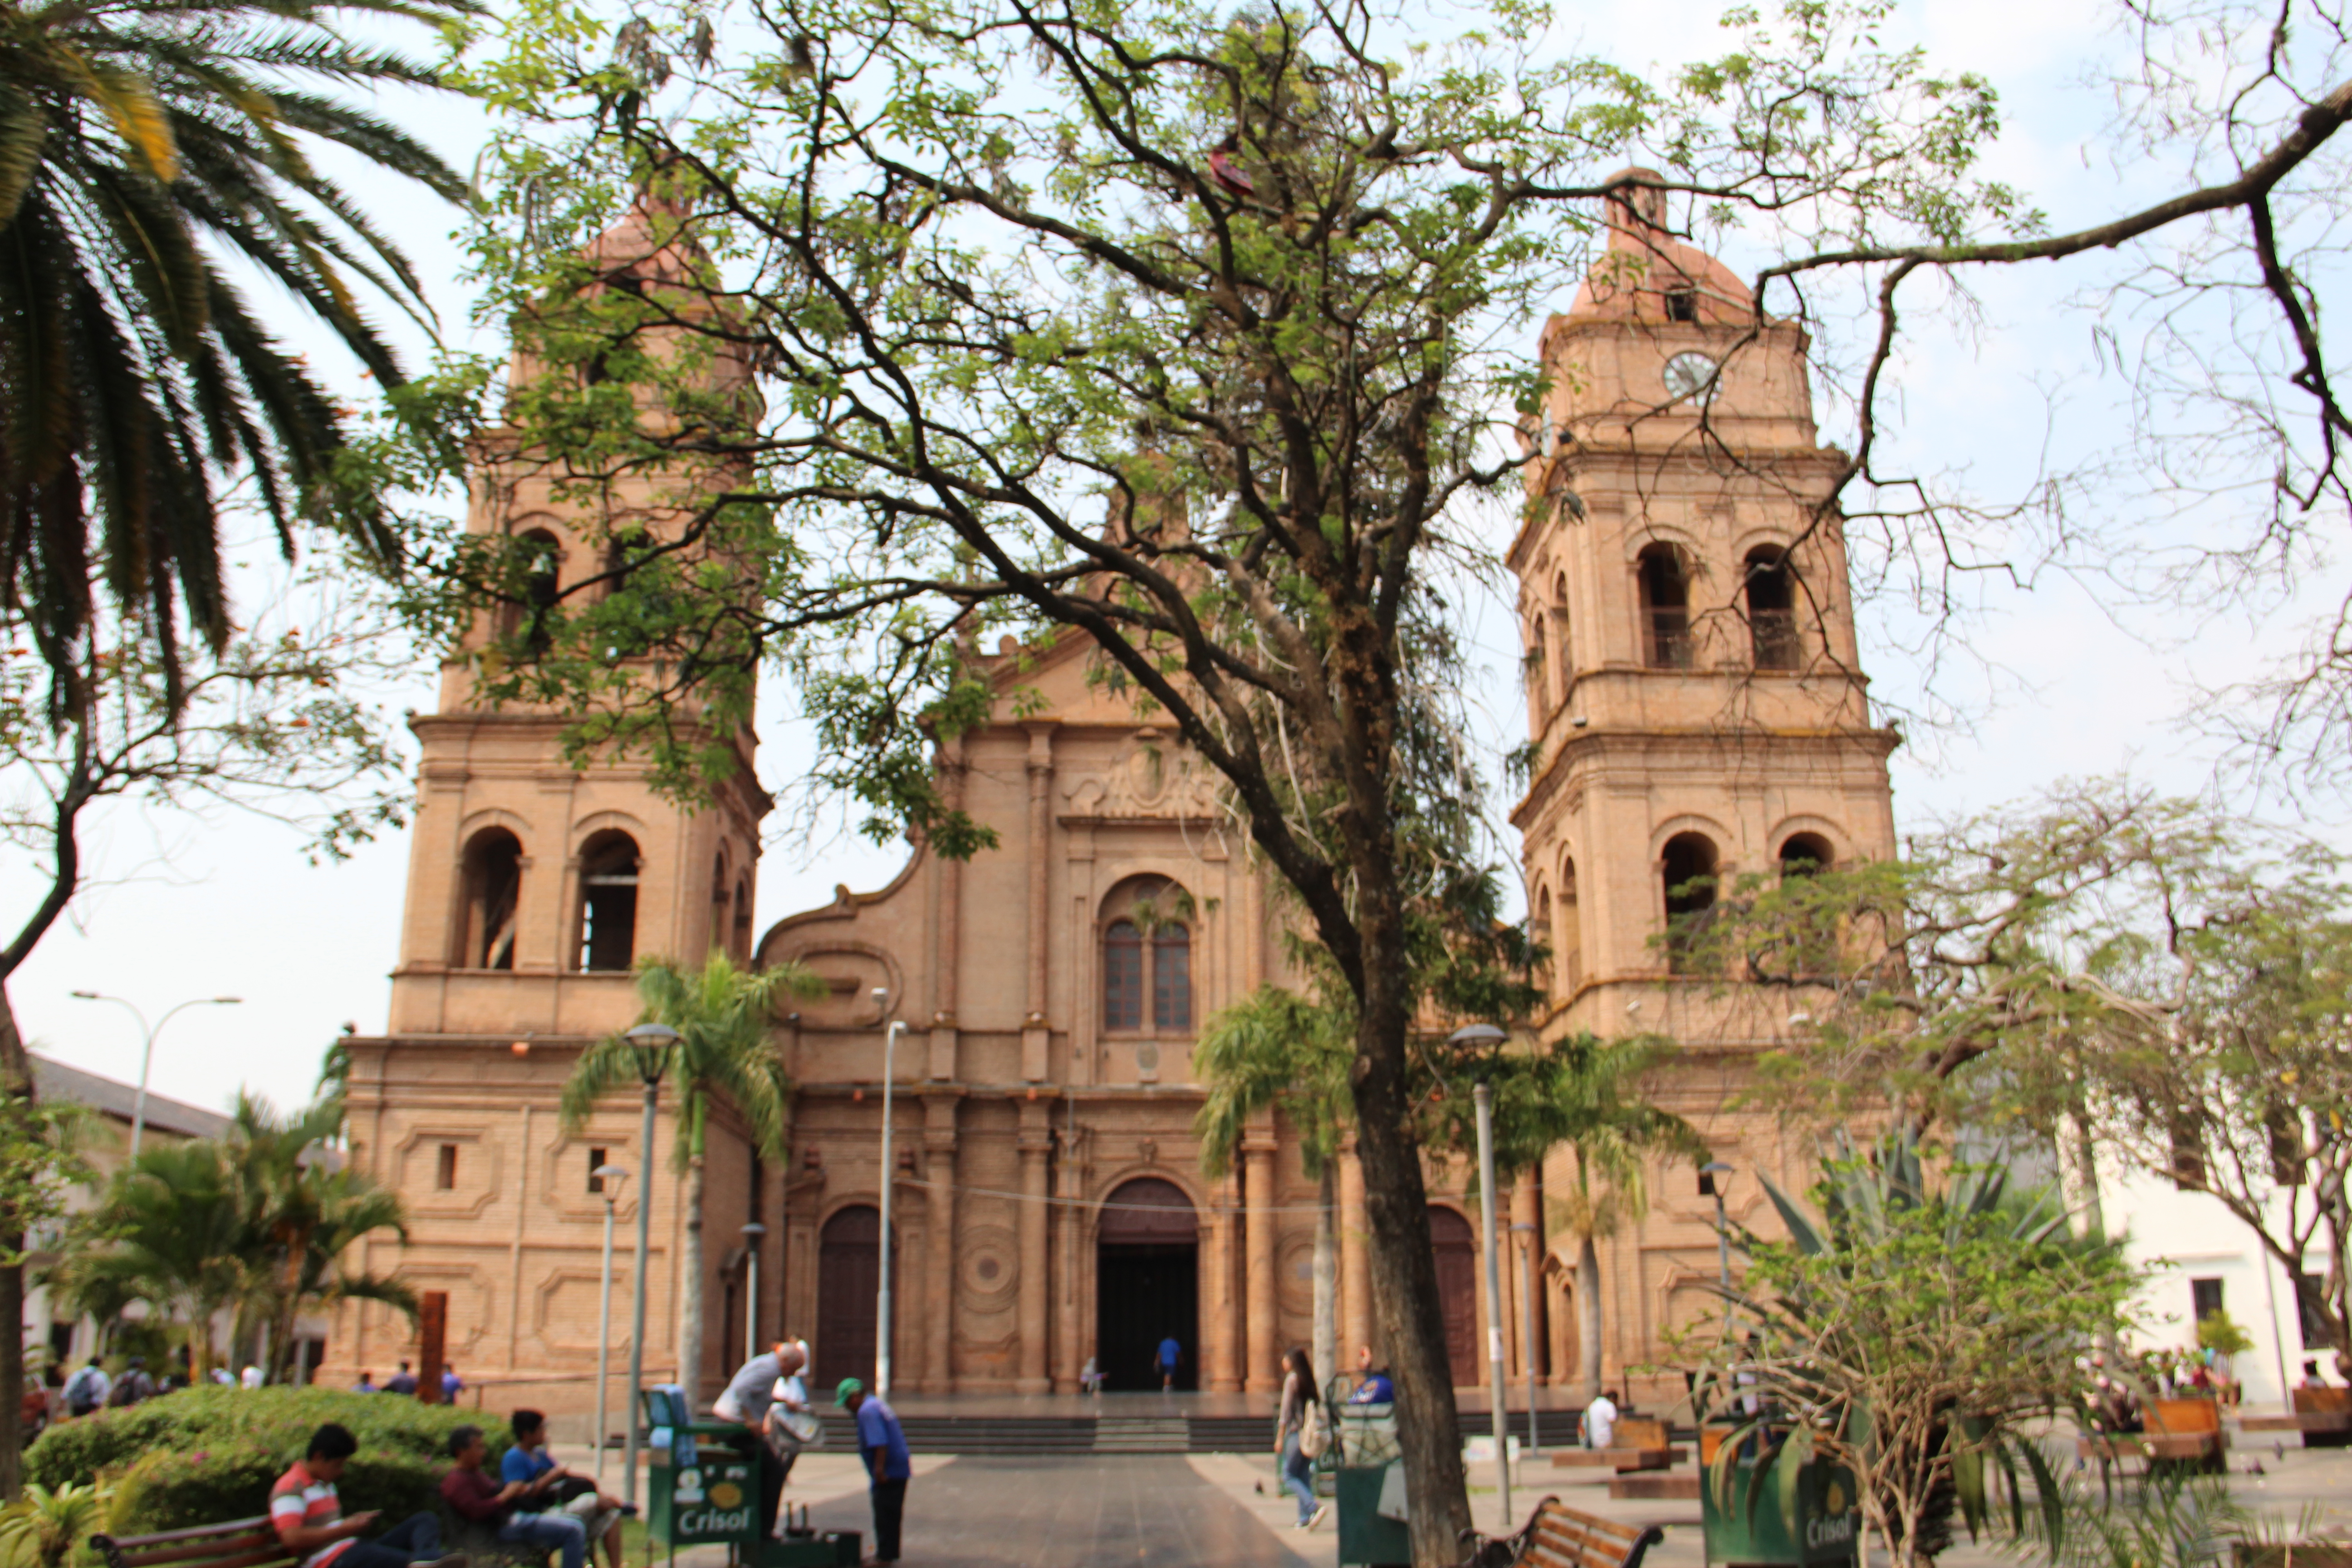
(1527, 1326)
(147, 1055)
(753, 1234)
(609, 1178)
(1482, 1096)
(882, 1297)
(653, 1043)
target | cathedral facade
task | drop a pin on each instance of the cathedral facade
(1697, 711)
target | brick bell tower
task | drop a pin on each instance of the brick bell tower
(533, 886)
(1696, 703)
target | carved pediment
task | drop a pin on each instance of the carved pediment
(1153, 775)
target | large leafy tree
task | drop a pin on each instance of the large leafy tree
(724, 1057)
(1199, 334)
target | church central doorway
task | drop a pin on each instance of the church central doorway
(1147, 1284)
(848, 1287)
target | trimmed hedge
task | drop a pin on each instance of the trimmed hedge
(202, 1456)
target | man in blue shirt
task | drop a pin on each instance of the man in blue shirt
(1372, 1385)
(883, 1446)
(1171, 1353)
(558, 1488)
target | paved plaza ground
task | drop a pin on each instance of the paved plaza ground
(1226, 1511)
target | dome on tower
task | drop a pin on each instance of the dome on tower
(1645, 274)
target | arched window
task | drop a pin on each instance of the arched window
(742, 917)
(1563, 647)
(721, 926)
(1689, 874)
(493, 885)
(1665, 608)
(1771, 588)
(1546, 933)
(1804, 854)
(1171, 977)
(1568, 931)
(541, 560)
(1538, 671)
(1147, 960)
(609, 864)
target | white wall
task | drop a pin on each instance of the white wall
(2180, 1236)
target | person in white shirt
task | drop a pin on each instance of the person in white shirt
(1600, 1423)
(789, 1428)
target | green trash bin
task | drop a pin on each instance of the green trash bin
(1367, 1536)
(712, 1501)
(1824, 1529)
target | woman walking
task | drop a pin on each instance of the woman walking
(1300, 1407)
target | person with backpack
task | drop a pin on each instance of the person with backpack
(133, 1387)
(1301, 1434)
(87, 1390)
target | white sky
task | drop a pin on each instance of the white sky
(228, 905)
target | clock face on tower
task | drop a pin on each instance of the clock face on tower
(1688, 373)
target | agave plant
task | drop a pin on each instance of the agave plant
(41, 1528)
(1907, 1330)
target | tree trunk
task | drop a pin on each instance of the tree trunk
(1327, 1273)
(690, 1333)
(1403, 1267)
(16, 1081)
(1587, 1317)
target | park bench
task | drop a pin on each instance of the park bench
(2186, 1431)
(2324, 1416)
(1557, 1536)
(240, 1543)
(1639, 1443)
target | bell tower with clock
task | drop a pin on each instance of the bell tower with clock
(1694, 700)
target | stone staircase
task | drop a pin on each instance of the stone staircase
(1142, 1435)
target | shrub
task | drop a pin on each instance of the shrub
(278, 1420)
(177, 1490)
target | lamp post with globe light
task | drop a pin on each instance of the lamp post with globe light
(753, 1234)
(652, 1044)
(609, 1180)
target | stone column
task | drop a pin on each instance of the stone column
(1069, 1227)
(1526, 1232)
(1036, 1035)
(1261, 1356)
(949, 958)
(939, 1175)
(1035, 1143)
(1355, 1261)
(1221, 1327)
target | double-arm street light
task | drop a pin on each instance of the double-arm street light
(652, 1044)
(1482, 1096)
(147, 1056)
(882, 1298)
(609, 1178)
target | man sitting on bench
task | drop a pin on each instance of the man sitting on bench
(308, 1516)
(476, 1495)
(549, 1485)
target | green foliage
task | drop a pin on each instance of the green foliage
(722, 1015)
(1911, 1333)
(2216, 1331)
(253, 1222)
(2166, 1519)
(175, 1489)
(138, 149)
(1273, 1048)
(38, 1165)
(274, 1421)
(41, 1528)
(1578, 1090)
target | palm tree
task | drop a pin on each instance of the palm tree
(1591, 1102)
(1277, 1047)
(170, 1231)
(721, 1015)
(141, 146)
(302, 1211)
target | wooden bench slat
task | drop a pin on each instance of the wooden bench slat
(1557, 1536)
(192, 1550)
(258, 1521)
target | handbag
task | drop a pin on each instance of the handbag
(1314, 1430)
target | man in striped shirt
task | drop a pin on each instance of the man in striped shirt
(308, 1516)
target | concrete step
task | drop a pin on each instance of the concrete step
(1142, 1435)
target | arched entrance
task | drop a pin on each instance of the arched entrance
(1457, 1253)
(1146, 1283)
(848, 1286)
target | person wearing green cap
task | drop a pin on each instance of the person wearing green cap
(883, 1446)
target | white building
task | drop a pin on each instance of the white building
(2200, 1257)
